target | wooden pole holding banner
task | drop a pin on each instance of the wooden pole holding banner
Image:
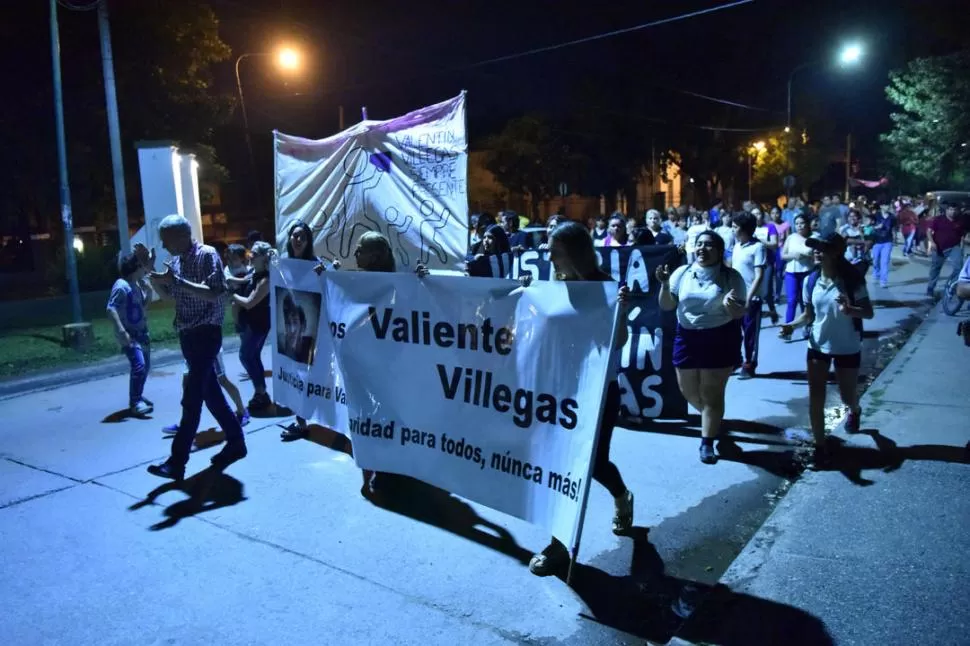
(363, 113)
(618, 315)
(340, 114)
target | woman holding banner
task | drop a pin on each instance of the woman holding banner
(254, 323)
(710, 301)
(299, 244)
(495, 241)
(574, 258)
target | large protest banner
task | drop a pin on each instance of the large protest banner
(306, 378)
(486, 389)
(648, 381)
(404, 178)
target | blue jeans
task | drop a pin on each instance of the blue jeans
(200, 346)
(250, 348)
(909, 243)
(794, 283)
(881, 259)
(954, 255)
(139, 355)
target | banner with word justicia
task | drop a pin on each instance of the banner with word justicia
(647, 379)
(484, 388)
(306, 378)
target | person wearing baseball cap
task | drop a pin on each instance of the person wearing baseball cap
(836, 302)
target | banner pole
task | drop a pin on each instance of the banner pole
(574, 553)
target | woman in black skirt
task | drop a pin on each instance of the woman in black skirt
(710, 299)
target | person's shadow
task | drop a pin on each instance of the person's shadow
(207, 490)
(850, 461)
(650, 604)
(428, 504)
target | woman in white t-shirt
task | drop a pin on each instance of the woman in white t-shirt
(799, 263)
(836, 301)
(710, 300)
(767, 233)
(696, 228)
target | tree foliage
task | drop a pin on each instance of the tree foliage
(531, 155)
(930, 138)
(164, 55)
(807, 162)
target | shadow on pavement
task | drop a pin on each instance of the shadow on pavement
(650, 604)
(121, 415)
(851, 461)
(433, 506)
(208, 490)
(780, 463)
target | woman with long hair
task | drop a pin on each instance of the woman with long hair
(554, 221)
(799, 263)
(836, 301)
(709, 298)
(254, 324)
(767, 233)
(617, 232)
(495, 241)
(574, 258)
(299, 245)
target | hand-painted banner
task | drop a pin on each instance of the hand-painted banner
(648, 382)
(405, 178)
(484, 388)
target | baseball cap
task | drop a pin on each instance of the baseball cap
(827, 242)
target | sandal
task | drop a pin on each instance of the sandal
(623, 514)
(550, 560)
(294, 432)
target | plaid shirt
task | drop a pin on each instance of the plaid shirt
(200, 264)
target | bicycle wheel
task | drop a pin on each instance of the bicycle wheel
(951, 302)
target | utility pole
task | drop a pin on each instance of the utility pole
(114, 129)
(848, 165)
(65, 189)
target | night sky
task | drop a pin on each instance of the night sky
(397, 56)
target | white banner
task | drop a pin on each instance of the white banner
(306, 378)
(405, 178)
(481, 387)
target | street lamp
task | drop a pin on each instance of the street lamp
(288, 59)
(849, 55)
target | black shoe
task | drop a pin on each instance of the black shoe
(230, 453)
(773, 315)
(294, 432)
(168, 469)
(707, 454)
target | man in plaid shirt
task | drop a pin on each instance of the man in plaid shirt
(194, 278)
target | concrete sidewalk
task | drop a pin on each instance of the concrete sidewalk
(874, 548)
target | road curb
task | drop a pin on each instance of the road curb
(50, 379)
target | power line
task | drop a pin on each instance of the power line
(75, 6)
(608, 34)
(534, 51)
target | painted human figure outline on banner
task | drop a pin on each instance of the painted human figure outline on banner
(404, 178)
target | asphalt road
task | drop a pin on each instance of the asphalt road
(282, 548)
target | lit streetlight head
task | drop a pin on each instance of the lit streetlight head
(288, 58)
(851, 54)
(759, 145)
(787, 128)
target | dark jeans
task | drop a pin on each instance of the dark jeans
(250, 348)
(751, 332)
(139, 355)
(604, 471)
(770, 278)
(200, 346)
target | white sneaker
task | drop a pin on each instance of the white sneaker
(141, 409)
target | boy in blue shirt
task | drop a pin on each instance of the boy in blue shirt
(126, 309)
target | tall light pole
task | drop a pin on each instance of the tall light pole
(849, 55)
(114, 129)
(67, 219)
(288, 59)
